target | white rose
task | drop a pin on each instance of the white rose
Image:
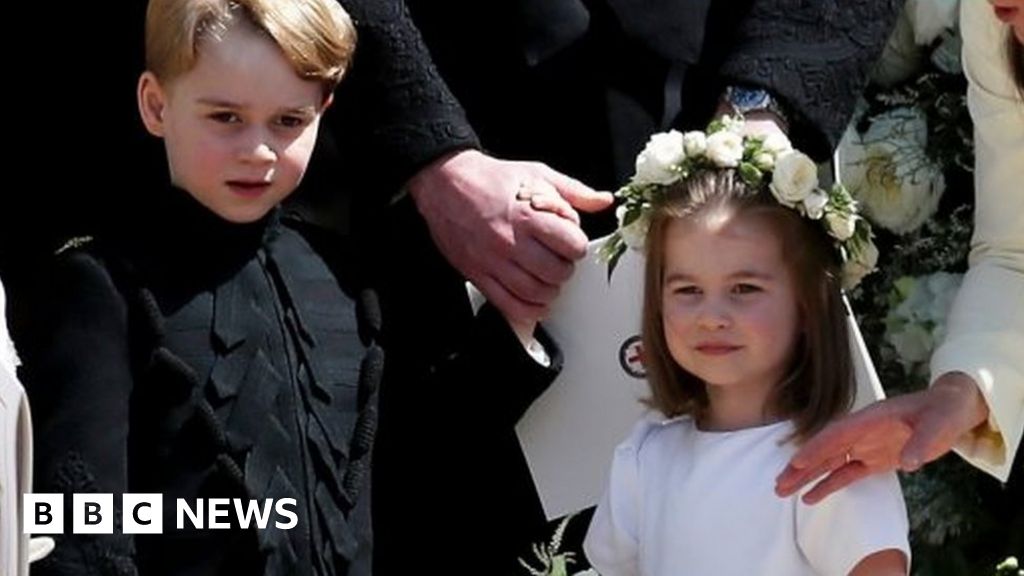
(656, 164)
(943, 288)
(794, 178)
(901, 58)
(814, 205)
(887, 171)
(918, 323)
(634, 235)
(913, 344)
(841, 226)
(694, 143)
(725, 149)
(764, 161)
(733, 124)
(931, 17)
(776, 144)
(860, 264)
(868, 256)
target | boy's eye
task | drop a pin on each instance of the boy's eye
(292, 121)
(745, 289)
(225, 117)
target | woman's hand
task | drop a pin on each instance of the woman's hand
(903, 432)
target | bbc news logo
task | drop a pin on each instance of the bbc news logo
(143, 513)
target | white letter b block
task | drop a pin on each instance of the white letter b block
(42, 514)
(93, 514)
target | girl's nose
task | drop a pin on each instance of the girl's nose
(713, 315)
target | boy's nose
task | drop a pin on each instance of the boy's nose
(259, 151)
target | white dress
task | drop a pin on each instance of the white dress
(682, 501)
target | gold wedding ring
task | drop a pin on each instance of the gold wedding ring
(524, 192)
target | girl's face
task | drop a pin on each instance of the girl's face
(1012, 13)
(729, 305)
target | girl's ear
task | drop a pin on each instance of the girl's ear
(152, 100)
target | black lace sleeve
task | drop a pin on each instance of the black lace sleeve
(815, 56)
(394, 104)
(77, 372)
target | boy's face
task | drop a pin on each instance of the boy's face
(239, 127)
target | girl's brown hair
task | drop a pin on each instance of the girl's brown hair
(1015, 58)
(820, 384)
(316, 36)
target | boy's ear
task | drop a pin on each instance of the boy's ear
(152, 100)
(328, 100)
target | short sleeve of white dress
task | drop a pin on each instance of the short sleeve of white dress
(866, 517)
(611, 544)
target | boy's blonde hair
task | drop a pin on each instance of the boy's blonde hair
(316, 36)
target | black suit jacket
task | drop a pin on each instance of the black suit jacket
(584, 92)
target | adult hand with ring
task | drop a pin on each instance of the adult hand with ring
(545, 198)
(517, 253)
(899, 433)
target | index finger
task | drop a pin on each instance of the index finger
(578, 194)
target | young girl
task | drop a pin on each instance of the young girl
(746, 351)
(212, 348)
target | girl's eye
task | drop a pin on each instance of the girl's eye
(686, 290)
(745, 289)
(225, 117)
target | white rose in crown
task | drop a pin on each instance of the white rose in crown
(901, 58)
(931, 18)
(776, 144)
(795, 177)
(725, 149)
(887, 171)
(764, 162)
(695, 144)
(759, 161)
(859, 264)
(635, 233)
(657, 163)
(842, 226)
(814, 205)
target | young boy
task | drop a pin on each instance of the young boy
(212, 348)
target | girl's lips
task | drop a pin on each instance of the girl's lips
(716, 349)
(1005, 13)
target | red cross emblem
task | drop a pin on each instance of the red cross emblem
(631, 357)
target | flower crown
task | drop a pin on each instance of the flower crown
(771, 161)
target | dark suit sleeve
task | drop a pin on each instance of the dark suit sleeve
(815, 56)
(77, 372)
(393, 107)
(495, 373)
